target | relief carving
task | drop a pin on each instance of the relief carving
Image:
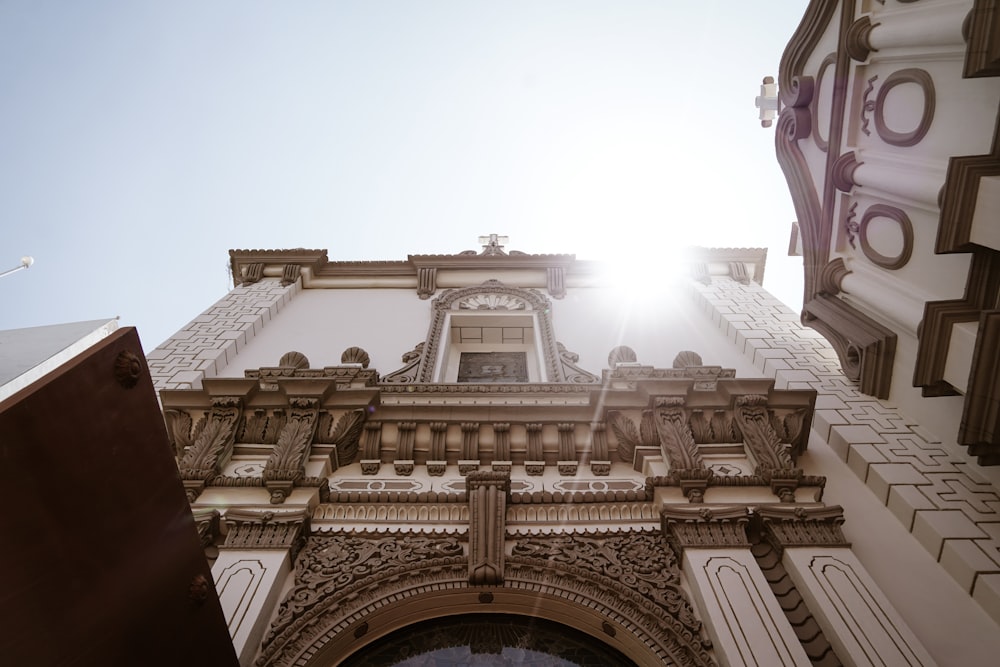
(762, 443)
(572, 372)
(346, 435)
(803, 526)
(253, 529)
(629, 437)
(636, 562)
(676, 441)
(705, 527)
(287, 462)
(487, 493)
(332, 571)
(204, 459)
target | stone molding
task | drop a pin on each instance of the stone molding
(705, 527)
(922, 79)
(788, 527)
(343, 582)
(866, 348)
(982, 56)
(262, 529)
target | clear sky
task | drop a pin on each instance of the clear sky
(140, 141)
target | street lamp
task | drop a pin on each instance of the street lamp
(26, 261)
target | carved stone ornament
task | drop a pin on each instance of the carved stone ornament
(705, 527)
(286, 464)
(337, 575)
(636, 568)
(254, 529)
(686, 358)
(631, 438)
(214, 445)
(902, 220)
(290, 273)
(252, 273)
(571, 371)
(293, 359)
(858, 41)
(408, 373)
(676, 441)
(622, 354)
(762, 443)
(344, 435)
(926, 84)
(802, 526)
(487, 492)
(355, 355)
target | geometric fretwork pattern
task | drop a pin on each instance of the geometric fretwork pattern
(935, 493)
(205, 346)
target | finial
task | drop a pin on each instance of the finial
(493, 244)
(767, 101)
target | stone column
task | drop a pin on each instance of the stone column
(251, 570)
(926, 25)
(856, 617)
(744, 619)
(870, 172)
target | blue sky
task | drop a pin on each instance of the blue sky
(140, 141)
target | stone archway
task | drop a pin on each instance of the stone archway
(351, 590)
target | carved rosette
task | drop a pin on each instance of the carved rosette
(487, 492)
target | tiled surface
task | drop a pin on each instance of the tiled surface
(939, 497)
(210, 341)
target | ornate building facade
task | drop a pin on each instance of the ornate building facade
(492, 456)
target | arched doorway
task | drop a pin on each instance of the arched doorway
(485, 640)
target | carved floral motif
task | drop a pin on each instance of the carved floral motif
(330, 567)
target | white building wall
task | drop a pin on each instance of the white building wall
(926, 528)
(387, 323)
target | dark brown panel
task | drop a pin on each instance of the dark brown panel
(101, 563)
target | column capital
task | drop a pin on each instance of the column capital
(802, 526)
(262, 529)
(705, 527)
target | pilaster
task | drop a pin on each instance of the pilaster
(744, 619)
(251, 570)
(855, 615)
